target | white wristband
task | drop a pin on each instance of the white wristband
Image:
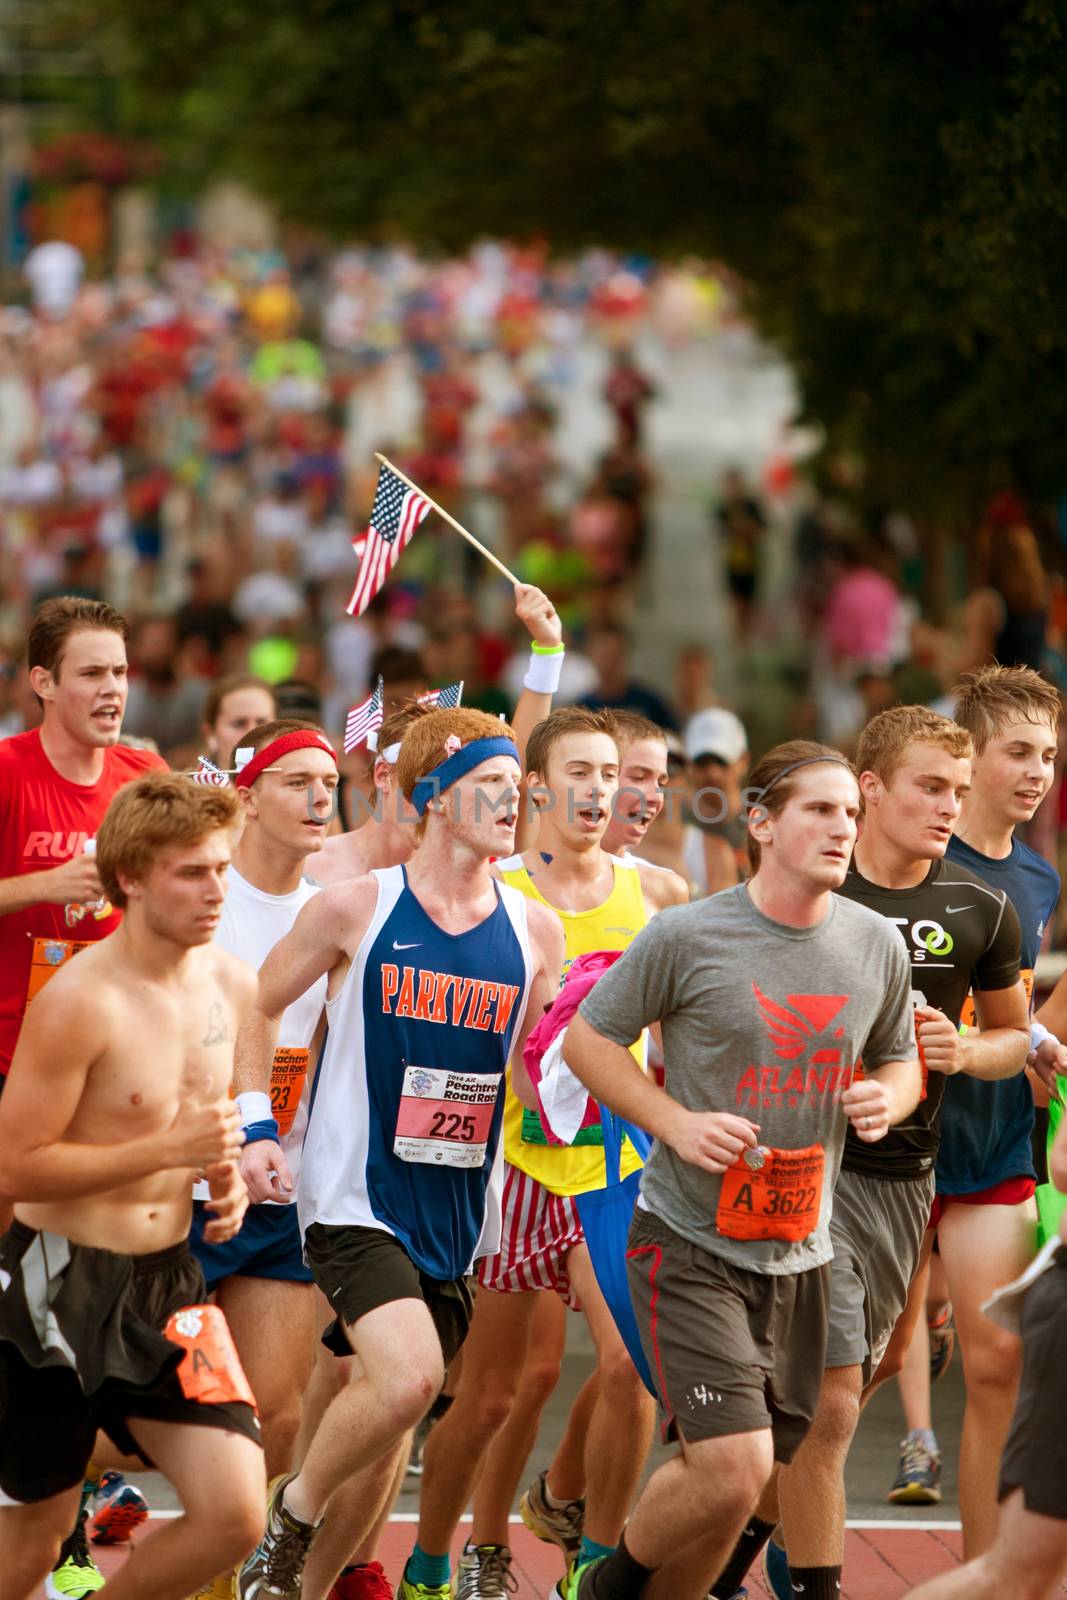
(543, 673)
(254, 1106)
(1038, 1034)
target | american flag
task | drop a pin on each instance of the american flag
(364, 718)
(208, 773)
(396, 513)
(446, 699)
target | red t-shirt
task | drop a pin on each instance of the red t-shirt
(44, 820)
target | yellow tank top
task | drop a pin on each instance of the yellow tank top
(577, 1168)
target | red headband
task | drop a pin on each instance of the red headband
(301, 739)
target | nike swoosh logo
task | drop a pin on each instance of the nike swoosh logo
(959, 908)
(405, 946)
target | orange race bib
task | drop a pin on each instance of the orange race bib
(48, 956)
(211, 1372)
(287, 1084)
(772, 1194)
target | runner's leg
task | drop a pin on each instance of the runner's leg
(565, 1479)
(620, 1428)
(506, 1460)
(220, 1481)
(30, 1541)
(272, 1322)
(984, 1247)
(1026, 1560)
(811, 1490)
(493, 1357)
(344, 1538)
(401, 1369)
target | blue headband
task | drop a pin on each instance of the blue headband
(457, 766)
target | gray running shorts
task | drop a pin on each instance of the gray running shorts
(877, 1227)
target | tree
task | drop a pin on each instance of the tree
(886, 174)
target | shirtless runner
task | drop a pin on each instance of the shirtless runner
(101, 1317)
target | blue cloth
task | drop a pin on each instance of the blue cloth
(466, 758)
(986, 1127)
(606, 1215)
(268, 1246)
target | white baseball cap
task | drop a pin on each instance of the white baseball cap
(715, 733)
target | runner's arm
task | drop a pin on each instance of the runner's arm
(537, 612)
(65, 1032)
(546, 939)
(76, 880)
(709, 1139)
(318, 941)
(1000, 1048)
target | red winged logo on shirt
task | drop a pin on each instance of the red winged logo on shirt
(797, 1025)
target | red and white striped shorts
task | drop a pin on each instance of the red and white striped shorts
(538, 1232)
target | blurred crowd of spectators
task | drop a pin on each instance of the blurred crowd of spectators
(196, 445)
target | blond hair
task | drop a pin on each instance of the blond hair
(769, 792)
(992, 696)
(148, 815)
(884, 740)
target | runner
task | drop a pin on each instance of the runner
(233, 706)
(56, 783)
(573, 773)
(259, 1278)
(914, 771)
(984, 1210)
(102, 1320)
(397, 1198)
(730, 1247)
(1029, 1550)
(643, 778)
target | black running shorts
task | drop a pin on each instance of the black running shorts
(82, 1348)
(359, 1269)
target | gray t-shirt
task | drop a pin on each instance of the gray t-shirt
(765, 1021)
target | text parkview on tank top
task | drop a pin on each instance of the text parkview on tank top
(612, 925)
(406, 1113)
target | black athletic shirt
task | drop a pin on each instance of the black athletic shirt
(959, 931)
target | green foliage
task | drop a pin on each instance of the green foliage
(886, 174)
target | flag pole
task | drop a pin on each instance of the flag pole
(488, 554)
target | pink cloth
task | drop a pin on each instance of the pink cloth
(860, 614)
(582, 974)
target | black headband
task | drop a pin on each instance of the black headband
(808, 761)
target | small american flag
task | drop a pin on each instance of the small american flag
(396, 513)
(446, 699)
(208, 773)
(364, 718)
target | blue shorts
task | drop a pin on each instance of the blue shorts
(268, 1246)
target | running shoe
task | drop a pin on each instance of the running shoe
(423, 1591)
(942, 1342)
(560, 1526)
(918, 1479)
(484, 1573)
(75, 1574)
(117, 1508)
(776, 1571)
(276, 1566)
(576, 1583)
(367, 1582)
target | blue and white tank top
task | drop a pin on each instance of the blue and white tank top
(404, 1132)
